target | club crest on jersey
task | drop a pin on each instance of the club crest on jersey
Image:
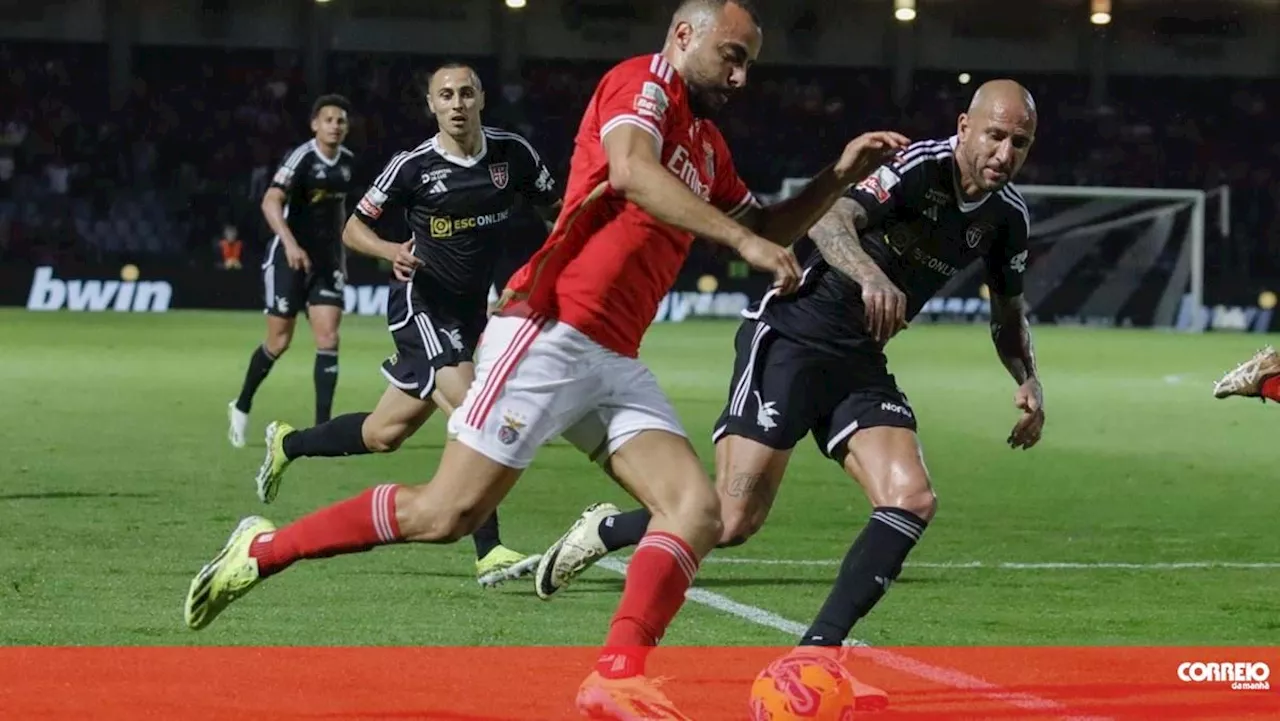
(976, 232)
(498, 172)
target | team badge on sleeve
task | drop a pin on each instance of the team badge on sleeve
(282, 177)
(880, 183)
(371, 203)
(652, 102)
(498, 173)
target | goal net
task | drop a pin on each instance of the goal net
(1102, 256)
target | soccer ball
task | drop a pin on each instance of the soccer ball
(803, 686)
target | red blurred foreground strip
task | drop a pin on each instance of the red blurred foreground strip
(709, 684)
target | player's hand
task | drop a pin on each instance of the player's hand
(507, 297)
(867, 152)
(886, 306)
(297, 257)
(1029, 398)
(771, 258)
(405, 262)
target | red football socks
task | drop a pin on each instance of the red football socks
(1271, 389)
(660, 573)
(351, 526)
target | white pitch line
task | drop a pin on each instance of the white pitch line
(937, 674)
(1011, 565)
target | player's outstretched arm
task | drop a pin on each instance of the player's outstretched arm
(637, 174)
(1011, 333)
(836, 236)
(362, 239)
(785, 222)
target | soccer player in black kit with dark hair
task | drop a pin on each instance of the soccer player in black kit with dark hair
(813, 363)
(458, 191)
(305, 266)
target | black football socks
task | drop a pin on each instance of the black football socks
(624, 529)
(259, 366)
(486, 536)
(872, 563)
(326, 378)
(342, 436)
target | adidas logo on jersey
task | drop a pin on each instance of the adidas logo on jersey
(438, 187)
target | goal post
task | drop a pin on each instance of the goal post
(1159, 235)
(1102, 256)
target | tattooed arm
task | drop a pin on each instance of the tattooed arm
(1011, 333)
(836, 235)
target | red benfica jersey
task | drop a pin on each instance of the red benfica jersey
(607, 264)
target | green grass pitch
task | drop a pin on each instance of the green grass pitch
(118, 483)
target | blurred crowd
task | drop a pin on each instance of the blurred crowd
(178, 167)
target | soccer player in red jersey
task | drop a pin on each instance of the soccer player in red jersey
(649, 172)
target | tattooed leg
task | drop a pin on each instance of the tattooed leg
(748, 475)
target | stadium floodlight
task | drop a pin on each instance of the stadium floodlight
(516, 4)
(904, 10)
(1100, 12)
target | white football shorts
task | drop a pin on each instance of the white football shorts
(538, 378)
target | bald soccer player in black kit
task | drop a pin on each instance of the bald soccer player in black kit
(814, 363)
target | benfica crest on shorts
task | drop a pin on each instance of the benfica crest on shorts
(509, 431)
(498, 172)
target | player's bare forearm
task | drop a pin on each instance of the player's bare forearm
(636, 173)
(1011, 333)
(273, 212)
(362, 239)
(785, 222)
(836, 235)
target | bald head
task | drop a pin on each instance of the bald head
(1007, 95)
(994, 136)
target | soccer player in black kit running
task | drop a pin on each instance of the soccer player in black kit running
(305, 266)
(814, 362)
(457, 191)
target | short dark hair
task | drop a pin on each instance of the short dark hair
(451, 65)
(747, 5)
(330, 100)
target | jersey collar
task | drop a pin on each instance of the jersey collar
(327, 161)
(966, 206)
(457, 159)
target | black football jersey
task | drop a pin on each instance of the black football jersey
(316, 190)
(921, 232)
(459, 210)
